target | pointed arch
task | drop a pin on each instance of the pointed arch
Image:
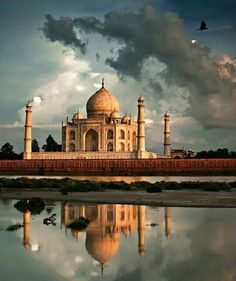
(122, 146)
(91, 140)
(110, 146)
(122, 134)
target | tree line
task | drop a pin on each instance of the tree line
(7, 150)
(219, 153)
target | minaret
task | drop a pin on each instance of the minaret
(141, 229)
(62, 136)
(167, 222)
(141, 128)
(28, 132)
(167, 147)
(26, 221)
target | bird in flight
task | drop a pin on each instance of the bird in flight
(202, 26)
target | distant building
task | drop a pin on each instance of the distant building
(181, 153)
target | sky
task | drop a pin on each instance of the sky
(59, 50)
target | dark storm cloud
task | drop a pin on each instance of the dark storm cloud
(129, 62)
(147, 34)
(62, 30)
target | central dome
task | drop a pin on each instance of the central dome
(102, 247)
(102, 102)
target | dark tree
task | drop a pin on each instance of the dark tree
(51, 145)
(35, 146)
(219, 153)
(7, 148)
(7, 152)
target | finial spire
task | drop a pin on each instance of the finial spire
(102, 82)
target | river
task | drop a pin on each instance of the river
(121, 242)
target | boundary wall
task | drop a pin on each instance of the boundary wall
(120, 166)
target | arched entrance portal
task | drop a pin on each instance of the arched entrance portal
(91, 140)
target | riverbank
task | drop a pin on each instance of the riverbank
(167, 198)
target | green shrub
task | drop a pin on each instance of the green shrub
(79, 224)
(232, 184)
(172, 185)
(154, 187)
(216, 186)
(34, 205)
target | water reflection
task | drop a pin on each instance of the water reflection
(119, 244)
(26, 223)
(107, 224)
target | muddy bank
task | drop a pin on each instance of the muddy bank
(168, 198)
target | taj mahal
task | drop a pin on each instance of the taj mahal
(104, 134)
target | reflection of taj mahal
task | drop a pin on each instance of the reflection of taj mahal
(107, 224)
(103, 134)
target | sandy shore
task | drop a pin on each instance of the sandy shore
(180, 198)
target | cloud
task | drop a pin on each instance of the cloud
(62, 30)
(66, 93)
(190, 67)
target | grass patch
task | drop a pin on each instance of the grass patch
(67, 185)
(14, 227)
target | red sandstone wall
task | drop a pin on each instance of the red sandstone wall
(129, 166)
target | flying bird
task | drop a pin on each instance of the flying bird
(202, 26)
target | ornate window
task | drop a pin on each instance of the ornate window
(110, 135)
(128, 135)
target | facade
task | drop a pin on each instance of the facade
(104, 130)
(104, 134)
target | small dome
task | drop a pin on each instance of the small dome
(167, 114)
(125, 119)
(141, 99)
(102, 102)
(77, 116)
(115, 114)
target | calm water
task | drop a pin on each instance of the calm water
(119, 244)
